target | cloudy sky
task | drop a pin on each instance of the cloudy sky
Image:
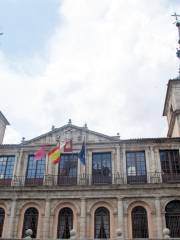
(104, 62)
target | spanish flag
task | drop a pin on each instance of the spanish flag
(54, 155)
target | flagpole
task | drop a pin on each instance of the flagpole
(85, 143)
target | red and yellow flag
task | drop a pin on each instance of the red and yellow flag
(54, 155)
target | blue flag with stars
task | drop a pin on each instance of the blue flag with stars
(82, 154)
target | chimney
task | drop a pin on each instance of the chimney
(3, 123)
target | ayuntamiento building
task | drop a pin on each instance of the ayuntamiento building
(131, 185)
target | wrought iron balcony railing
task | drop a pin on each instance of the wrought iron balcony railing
(87, 179)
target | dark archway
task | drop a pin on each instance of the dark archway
(30, 221)
(139, 222)
(172, 216)
(2, 216)
(65, 223)
(102, 223)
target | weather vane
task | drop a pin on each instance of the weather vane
(177, 22)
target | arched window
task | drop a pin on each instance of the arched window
(30, 221)
(102, 223)
(2, 216)
(173, 218)
(139, 222)
(65, 223)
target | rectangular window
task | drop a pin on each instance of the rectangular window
(170, 165)
(101, 168)
(67, 173)
(35, 171)
(6, 169)
(136, 167)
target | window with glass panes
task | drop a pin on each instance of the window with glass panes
(101, 167)
(35, 168)
(2, 216)
(136, 167)
(68, 169)
(31, 216)
(139, 222)
(6, 167)
(102, 223)
(65, 223)
(170, 164)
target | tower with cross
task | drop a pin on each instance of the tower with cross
(177, 22)
(172, 100)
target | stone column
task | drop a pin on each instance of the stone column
(90, 167)
(124, 163)
(83, 219)
(19, 160)
(118, 159)
(12, 219)
(113, 165)
(46, 220)
(158, 218)
(148, 162)
(120, 215)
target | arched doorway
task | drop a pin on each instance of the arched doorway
(65, 223)
(30, 221)
(102, 223)
(172, 216)
(2, 216)
(139, 222)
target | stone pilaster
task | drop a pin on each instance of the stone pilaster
(120, 215)
(12, 219)
(158, 218)
(118, 167)
(46, 220)
(83, 219)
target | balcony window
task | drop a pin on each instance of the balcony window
(101, 168)
(170, 165)
(35, 171)
(136, 167)
(6, 169)
(68, 169)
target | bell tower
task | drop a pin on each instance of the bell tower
(172, 100)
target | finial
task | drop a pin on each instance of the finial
(85, 125)
(118, 135)
(177, 22)
(23, 140)
(70, 122)
(58, 139)
(52, 128)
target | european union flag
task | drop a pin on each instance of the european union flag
(82, 154)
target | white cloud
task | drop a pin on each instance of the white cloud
(109, 62)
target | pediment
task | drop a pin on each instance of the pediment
(69, 131)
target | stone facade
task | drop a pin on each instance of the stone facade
(84, 197)
(118, 191)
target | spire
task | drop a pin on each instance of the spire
(177, 22)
